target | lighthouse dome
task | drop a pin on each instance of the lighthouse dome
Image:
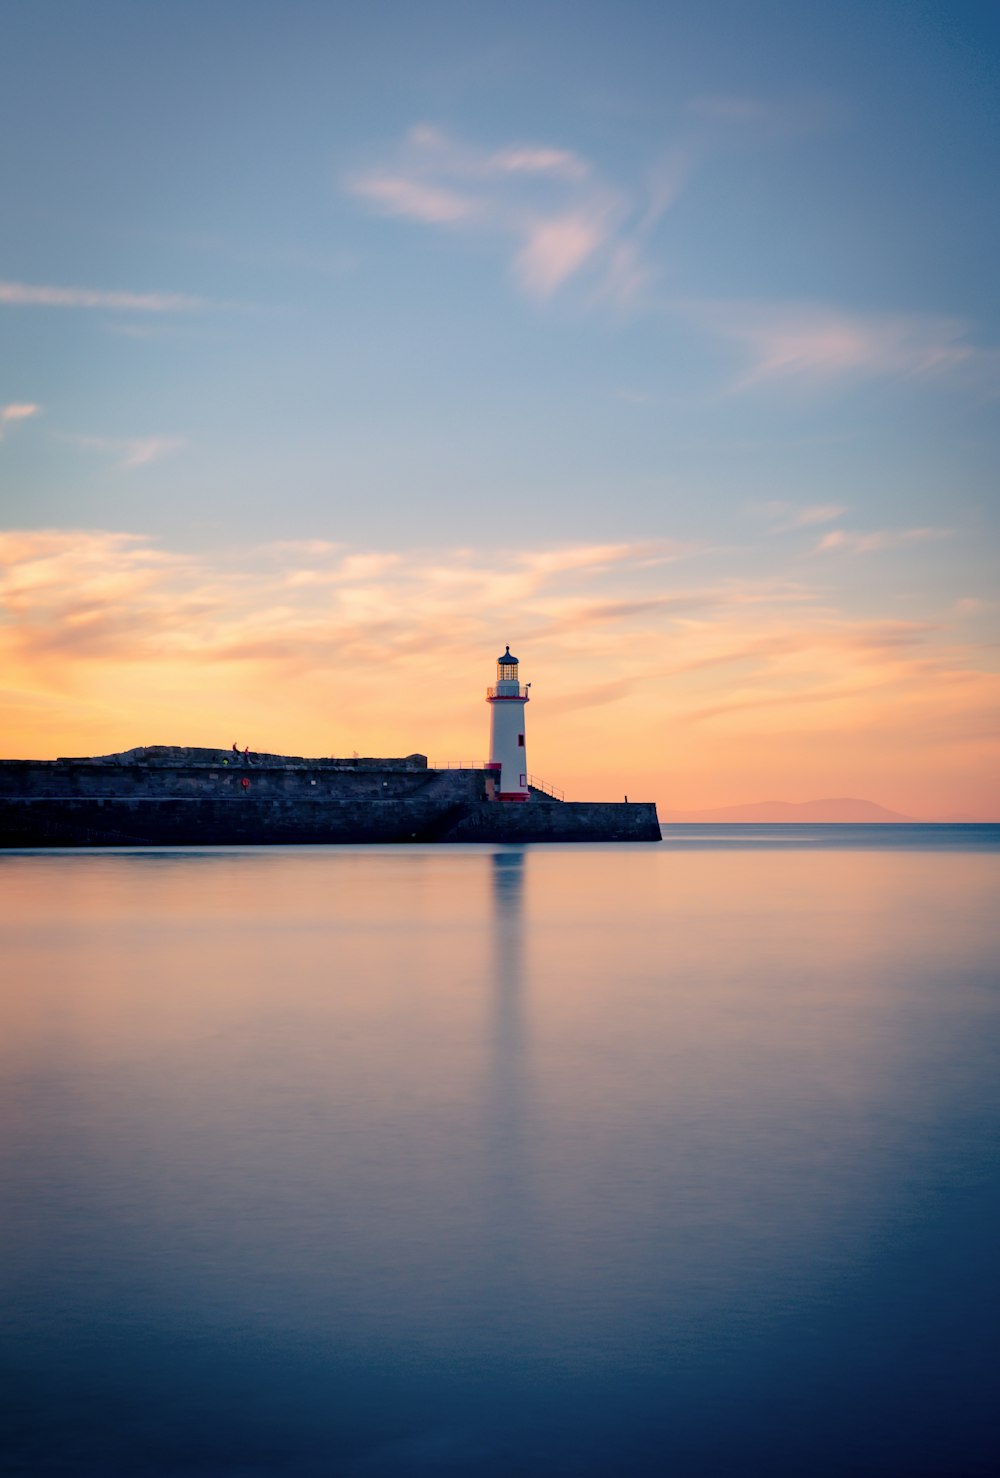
(506, 659)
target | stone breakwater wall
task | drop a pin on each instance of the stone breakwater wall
(167, 771)
(123, 800)
(190, 821)
(565, 821)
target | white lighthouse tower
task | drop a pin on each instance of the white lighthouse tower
(508, 755)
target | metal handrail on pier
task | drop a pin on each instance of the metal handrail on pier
(546, 788)
(533, 780)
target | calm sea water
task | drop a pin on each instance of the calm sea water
(556, 1160)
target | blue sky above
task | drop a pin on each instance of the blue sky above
(419, 279)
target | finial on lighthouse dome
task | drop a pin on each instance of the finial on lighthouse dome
(507, 658)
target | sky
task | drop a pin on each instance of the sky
(342, 345)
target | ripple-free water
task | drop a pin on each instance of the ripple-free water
(498, 1161)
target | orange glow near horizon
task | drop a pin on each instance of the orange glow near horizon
(646, 680)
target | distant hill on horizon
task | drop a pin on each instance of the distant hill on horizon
(842, 808)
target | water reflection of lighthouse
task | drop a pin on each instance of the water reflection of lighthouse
(508, 1095)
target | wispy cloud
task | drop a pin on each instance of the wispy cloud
(428, 149)
(11, 414)
(561, 223)
(33, 295)
(559, 163)
(317, 602)
(98, 593)
(433, 205)
(128, 451)
(811, 343)
(870, 541)
(786, 517)
(974, 605)
(556, 249)
(751, 116)
(561, 218)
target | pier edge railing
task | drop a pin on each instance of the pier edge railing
(534, 781)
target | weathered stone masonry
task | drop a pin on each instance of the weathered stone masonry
(179, 796)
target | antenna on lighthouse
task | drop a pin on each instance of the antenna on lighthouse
(508, 753)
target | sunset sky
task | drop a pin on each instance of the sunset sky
(341, 345)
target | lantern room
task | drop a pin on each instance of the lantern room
(507, 673)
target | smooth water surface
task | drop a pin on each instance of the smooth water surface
(556, 1160)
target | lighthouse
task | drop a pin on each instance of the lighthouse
(508, 755)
